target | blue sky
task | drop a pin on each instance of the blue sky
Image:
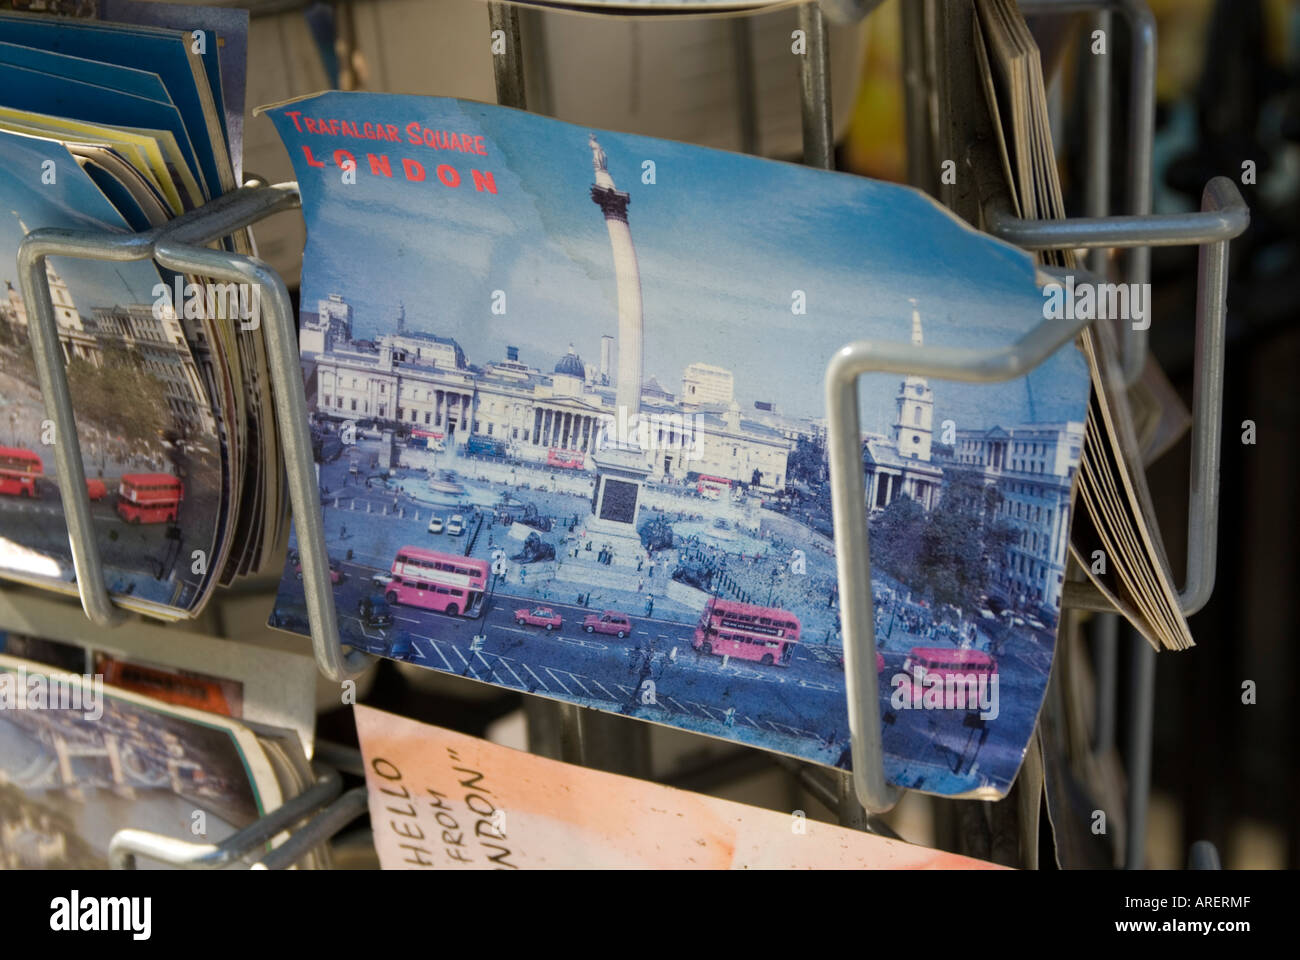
(722, 240)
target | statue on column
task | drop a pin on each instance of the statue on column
(598, 160)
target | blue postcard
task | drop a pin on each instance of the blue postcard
(169, 53)
(567, 402)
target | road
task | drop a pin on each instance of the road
(798, 709)
(135, 555)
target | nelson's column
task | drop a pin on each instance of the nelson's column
(613, 204)
(621, 465)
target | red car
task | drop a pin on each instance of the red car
(611, 621)
(336, 574)
(538, 617)
(96, 489)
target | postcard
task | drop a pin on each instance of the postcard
(567, 398)
(147, 427)
(442, 800)
(80, 761)
(243, 678)
(224, 28)
(174, 56)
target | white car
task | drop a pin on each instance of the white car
(1036, 623)
(435, 524)
(456, 525)
(382, 579)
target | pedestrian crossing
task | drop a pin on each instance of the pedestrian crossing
(535, 678)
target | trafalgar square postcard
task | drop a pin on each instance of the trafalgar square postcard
(567, 402)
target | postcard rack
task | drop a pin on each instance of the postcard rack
(933, 32)
(310, 819)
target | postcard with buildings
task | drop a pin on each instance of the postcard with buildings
(80, 761)
(146, 424)
(567, 399)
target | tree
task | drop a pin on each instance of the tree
(807, 461)
(946, 554)
(896, 539)
(963, 535)
(119, 396)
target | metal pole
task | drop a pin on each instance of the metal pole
(1141, 137)
(1097, 109)
(1203, 856)
(1105, 644)
(508, 66)
(742, 46)
(917, 97)
(814, 90)
(1142, 703)
(317, 831)
(1207, 406)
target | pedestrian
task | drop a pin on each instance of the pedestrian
(649, 604)
(639, 564)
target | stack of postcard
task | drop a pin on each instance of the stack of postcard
(81, 760)
(1117, 543)
(568, 386)
(120, 127)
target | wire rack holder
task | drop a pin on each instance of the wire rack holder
(1224, 216)
(178, 245)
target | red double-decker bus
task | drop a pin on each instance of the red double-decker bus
(565, 459)
(19, 469)
(149, 497)
(712, 488)
(442, 582)
(728, 628)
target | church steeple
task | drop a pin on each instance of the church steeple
(915, 404)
